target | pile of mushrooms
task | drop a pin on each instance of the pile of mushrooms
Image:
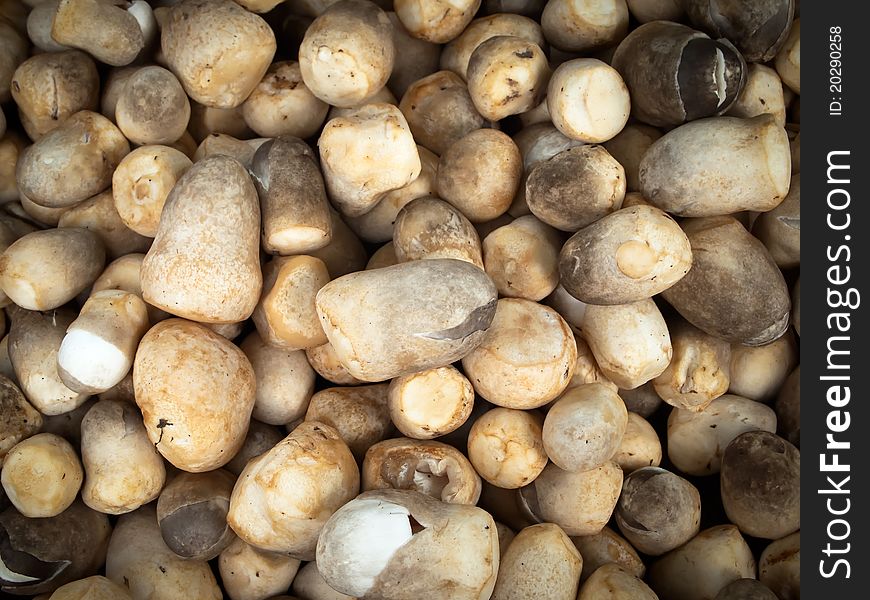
(390, 300)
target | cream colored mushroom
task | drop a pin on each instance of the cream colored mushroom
(430, 403)
(359, 414)
(506, 447)
(42, 475)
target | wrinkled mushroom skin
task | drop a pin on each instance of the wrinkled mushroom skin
(758, 28)
(426, 466)
(71, 162)
(676, 74)
(379, 331)
(40, 555)
(404, 544)
(734, 290)
(658, 510)
(718, 166)
(216, 70)
(626, 256)
(540, 560)
(760, 482)
(703, 566)
(50, 87)
(192, 513)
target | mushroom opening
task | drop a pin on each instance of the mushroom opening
(719, 75)
(436, 478)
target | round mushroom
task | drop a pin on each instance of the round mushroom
(42, 475)
(506, 447)
(430, 403)
(152, 107)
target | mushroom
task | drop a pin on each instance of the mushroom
(206, 120)
(95, 587)
(625, 256)
(658, 510)
(584, 427)
(123, 274)
(251, 574)
(20, 421)
(506, 447)
(34, 340)
(199, 421)
(216, 70)
(788, 59)
(586, 369)
(437, 21)
(374, 544)
(260, 439)
(152, 107)
(612, 582)
(365, 154)
(72, 162)
(414, 58)
(385, 256)
(324, 360)
(571, 309)
(734, 290)
(142, 182)
(522, 258)
(309, 583)
(676, 74)
(527, 357)
(580, 503)
(440, 111)
(347, 53)
(376, 226)
(630, 342)
(645, 11)
(39, 21)
(760, 483)
(221, 143)
(285, 316)
(628, 148)
(48, 88)
(703, 566)
(428, 228)
(427, 466)
(40, 555)
(573, 100)
(507, 75)
(780, 229)
(98, 348)
(457, 53)
(698, 439)
(779, 566)
(359, 414)
(759, 372)
(761, 94)
(114, 33)
(192, 514)
(640, 445)
(285, 381)
(42, 475)
(113, 85)
(480, 173)
(283, 498)
(584, 25)
(788, 408)
(379, 331)
(281, 104)
(209, 227)
(575, 188)
(607, 547)
(344, 254)
(15, 49)
(758, 29)
(68, 425)
(139, 560)
(430, 403)
(123, 470)
(745, 589)
(541, 560)
(99, 215)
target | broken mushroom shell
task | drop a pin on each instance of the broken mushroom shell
(347, 54)
(379, 331)
(626, 256)
(123, 470)
(42, 475)
(676, 74)
(540, 560)
(698, 439)
(734, 291)
(192, 514)
(197, 423)
(430, 403)
(760, 484)
(359, 414)
(506, 447)
(658, 510)
(427, 466)
(216, 70)
(584, 427)
(283, 498)
(527, 357)
(372, 544)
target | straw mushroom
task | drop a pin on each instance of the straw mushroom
(111, 32)
(506, 447)
(20, 420)
(248, 573)
(281, 104)
(359, 414)
(430, 403)
(437, 21)
(152, 107)
(42, 475)
(574, 100)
